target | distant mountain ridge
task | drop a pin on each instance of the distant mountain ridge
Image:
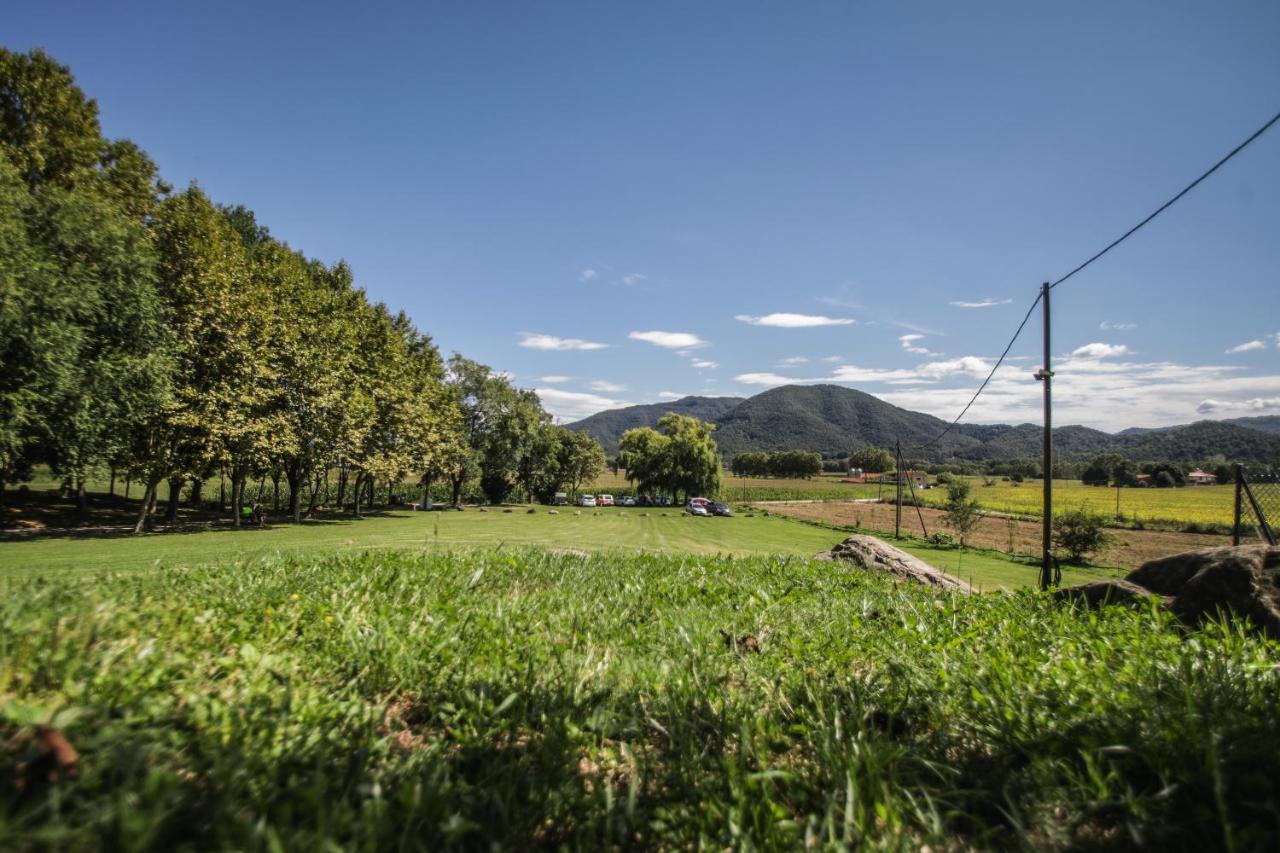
(607, 427)
(832, 419)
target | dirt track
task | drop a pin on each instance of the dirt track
(1130, 549)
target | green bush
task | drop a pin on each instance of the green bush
(1080, 533)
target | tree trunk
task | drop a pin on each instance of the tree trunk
(82, 499)
(237, 496)
(315, 491)
(175, 494)
(275, 490)
(456, 484)
(148, 495)
(342, 486)
(127, 483)
(293, 479)
(356, 489)
(111, 486)
(222, 489)
(193, 499)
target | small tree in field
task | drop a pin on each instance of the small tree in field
(962, 510)
(1079, 533)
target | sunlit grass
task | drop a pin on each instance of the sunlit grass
(520, 699)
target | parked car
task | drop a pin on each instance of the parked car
(587, 500)
(560, 499)
(698, 506)
(662, 500)
(626, 500)
(604, 500)
(720, 508)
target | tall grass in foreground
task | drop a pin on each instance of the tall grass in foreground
(534, 699)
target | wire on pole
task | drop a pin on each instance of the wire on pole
(1168, 204)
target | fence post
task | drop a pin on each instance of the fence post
(1235, 526)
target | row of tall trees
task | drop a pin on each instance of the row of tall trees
(679, 458)
(782, 463)
(166, 337)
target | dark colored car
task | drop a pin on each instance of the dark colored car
(718, 508)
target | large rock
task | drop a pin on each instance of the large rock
(1097, 593)
(1229, 582)
(875, 555)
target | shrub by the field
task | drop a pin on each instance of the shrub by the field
(520, 700)
(1080, 533)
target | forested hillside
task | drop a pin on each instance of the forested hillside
(834, 420)
(607, 427)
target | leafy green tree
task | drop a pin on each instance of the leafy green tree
(499, 423)
(34, 339)
(962, 510)
(694, 461)
(750, 464)
(643, 454)
(49, 130)
(118, 366)
(873, 460)
(221, 318)
(583, 460)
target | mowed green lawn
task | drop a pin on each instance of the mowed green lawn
(611, 530)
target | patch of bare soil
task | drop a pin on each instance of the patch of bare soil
(1130, 549)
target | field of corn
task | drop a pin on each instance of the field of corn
(531, 699)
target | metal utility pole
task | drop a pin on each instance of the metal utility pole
(1046, 376)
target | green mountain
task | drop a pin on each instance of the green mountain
(834, 420)
(607, 427)
(1263, 423)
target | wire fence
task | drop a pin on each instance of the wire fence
(1257, 511)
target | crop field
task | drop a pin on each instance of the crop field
(607, 530)
(516, 699)
(1204, 505)
(1191, 505)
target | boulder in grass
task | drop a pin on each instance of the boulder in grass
(876, 555)
(1097, 593)
(1197, 585)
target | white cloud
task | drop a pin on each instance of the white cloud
(969, 365)
(834, 359)
(763, 379)
(1248, 346)
(853, 373)
(1257, 404)
(1108, 326)
(982, 303)
(669, 340)
(794, 321)
(551, 342)
(554, 380)
(587, 274)
(633, 278)
(1100, 350)
(670, 395)
(795, 359)
(572, 405)
(704, 364)
(605, 386)
(909, 344)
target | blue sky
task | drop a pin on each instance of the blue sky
(621, 204)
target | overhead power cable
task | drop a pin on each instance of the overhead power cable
(983, 386)
(1162, 208)
(1125, 236)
